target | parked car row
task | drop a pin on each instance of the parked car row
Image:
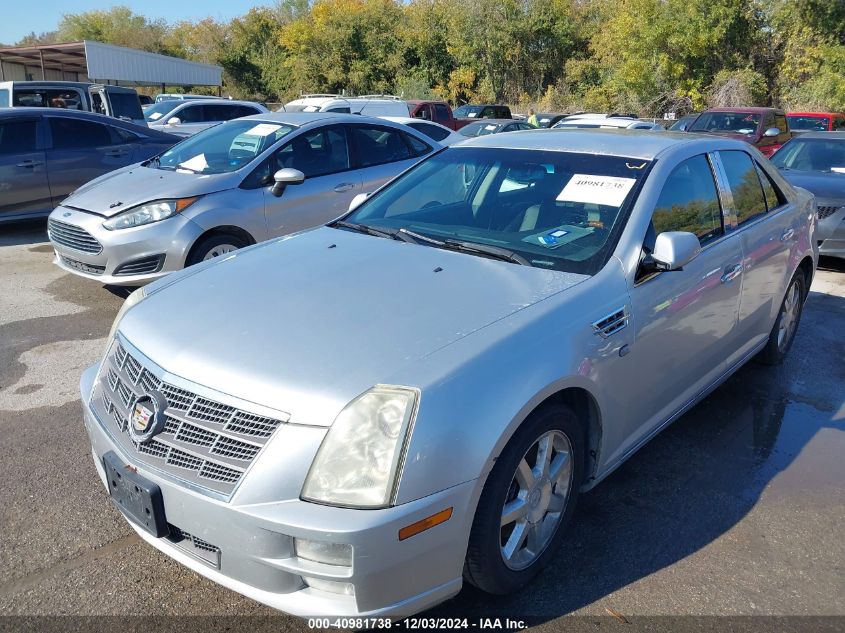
(357, 419)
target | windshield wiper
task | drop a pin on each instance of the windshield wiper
(496, 252)
(367, 229)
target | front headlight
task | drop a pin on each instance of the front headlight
(148, 213)
(357, 463)
(134, 297)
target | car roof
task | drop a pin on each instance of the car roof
(8, 113)
(213, 101)
(840, 136)
(643, 144)
(495, 121)
(814, 114)
(753, 109)
(300, 119)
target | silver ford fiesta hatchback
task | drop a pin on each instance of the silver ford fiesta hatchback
(356, 419)
(238, 183)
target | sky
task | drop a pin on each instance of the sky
(18, 24)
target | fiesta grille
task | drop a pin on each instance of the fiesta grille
(826, 212)
(204, 441)
(74, 237)
(82, 266)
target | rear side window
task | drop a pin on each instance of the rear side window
(417, 146)
(773, 196)
(318, 153)
(745, 185)
(431, 131)
(838, 122)
(77, 134)
(377, 145)
(17, 137)
(689, 201)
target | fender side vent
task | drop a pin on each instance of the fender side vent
(612, 323)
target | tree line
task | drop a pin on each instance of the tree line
(642, 56)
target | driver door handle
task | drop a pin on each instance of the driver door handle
(731, 273)
(787, 235)
(343, 187)
(30, 163)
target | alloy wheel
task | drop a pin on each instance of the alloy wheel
(789, 316)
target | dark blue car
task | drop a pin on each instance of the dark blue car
(47, 153)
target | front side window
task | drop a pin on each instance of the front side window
(441, 112)
(812, 154)
(838, 122)
(18, 137)
(316, 153)
(160, 109)
(4, 98)
(223, 148)
(125, 104)
(689, 201)
(77, 134)
(378, 145)
(739, 122)
(556, 210)
(780, 123)
(745, 185)
(191, 114)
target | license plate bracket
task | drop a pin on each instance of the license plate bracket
(138, 498)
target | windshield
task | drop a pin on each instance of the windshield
(739, 122)
(808, 123)
(683, 123)
(812, 154)
(556, 210)
(223, 148)
(479, 129)
(467, 111)
(157, 110)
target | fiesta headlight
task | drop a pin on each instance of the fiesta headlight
(148, 213)
(358, 460)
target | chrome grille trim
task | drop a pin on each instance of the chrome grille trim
(206, 442)
(72, 236)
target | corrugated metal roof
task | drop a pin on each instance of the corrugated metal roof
(109, 63)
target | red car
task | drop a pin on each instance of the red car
(764, 128)
(437, 111)
(816, 121)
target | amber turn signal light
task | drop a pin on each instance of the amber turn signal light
(424, 524)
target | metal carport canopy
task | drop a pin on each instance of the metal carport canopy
(115, 64)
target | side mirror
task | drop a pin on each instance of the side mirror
(672, 251)
(285, 177)
(357, 200)
(174, 121)
(772, 131)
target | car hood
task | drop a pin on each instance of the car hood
(306, 323)
(825, 186)
(125, 188)
(741, 137)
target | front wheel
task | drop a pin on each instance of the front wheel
(215, 246)
(527, 501)
(786, 324)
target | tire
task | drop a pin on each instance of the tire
(783, 332)
(500, 570)
(220, 243)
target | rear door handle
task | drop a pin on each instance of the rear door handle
(787, 235)
(731, 273)
(30, 163)
(345, 186)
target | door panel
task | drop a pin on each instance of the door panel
(683, 320)
(80, 151)
(24, 187)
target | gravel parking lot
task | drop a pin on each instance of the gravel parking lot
(737, 509)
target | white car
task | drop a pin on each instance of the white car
(606, 121)
(186, 117)
(439, 133)
(370, 105)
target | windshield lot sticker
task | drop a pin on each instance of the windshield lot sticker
(605, 190)
(489, 127)
(262, 129)
(197, 163)
(155, 116)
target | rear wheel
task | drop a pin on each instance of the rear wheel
(215, 246)
(786, 324)
(528, 499)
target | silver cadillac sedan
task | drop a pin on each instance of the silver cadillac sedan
(359, 418)
(238, 183)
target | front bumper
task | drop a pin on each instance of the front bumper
(832, 232)
(254, 543)
(170, 240)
